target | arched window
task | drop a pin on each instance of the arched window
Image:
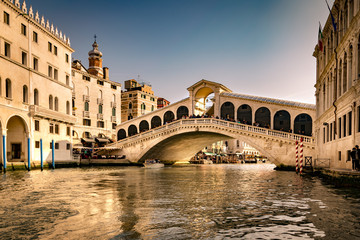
(8, 92)
(227, 111)
(113, 112)
(121, 134)
(67, 107)
(132, 130)
(282, 121)
(100, 109)
(303, 124)
(244, 114)
(25, 94)
(152, 108)
(155, 122)
(86, 106)
(51, 102)
(144, 126)
(345, 74)
(36, 97)
(182, 111)
(56, 104)
(130, 105)
(143, 106)
(262, 117)
(169, 116)
(130, 116)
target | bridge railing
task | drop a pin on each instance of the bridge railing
(223, 123)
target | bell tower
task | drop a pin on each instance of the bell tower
(95, 60)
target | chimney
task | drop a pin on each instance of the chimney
(106, 72)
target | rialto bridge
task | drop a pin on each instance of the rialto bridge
(212, 113)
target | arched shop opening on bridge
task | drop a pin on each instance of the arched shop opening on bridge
(204, 102)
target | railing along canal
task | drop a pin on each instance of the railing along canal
(223, 123)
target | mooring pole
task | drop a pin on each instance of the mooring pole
(4, 153)
(29, 162)
(41, 155)
(53, 154)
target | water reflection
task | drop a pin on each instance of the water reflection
(202, 202)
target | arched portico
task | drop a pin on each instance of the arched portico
(155, 122)
(303, 124)
(16, 139)
(121, 134)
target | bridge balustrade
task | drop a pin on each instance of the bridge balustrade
(269, 132)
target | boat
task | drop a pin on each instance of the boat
(153, 163)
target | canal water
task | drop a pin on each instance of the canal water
(199, 202)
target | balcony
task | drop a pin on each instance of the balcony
(100, 116)
(38, 111)
(113, 119)
(73, 95)
(100, 101)
(86, 114)
(86, 98)
(113, 104)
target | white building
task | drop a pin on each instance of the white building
(35, 91)
(337, 125)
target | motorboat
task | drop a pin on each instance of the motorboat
(153, 163)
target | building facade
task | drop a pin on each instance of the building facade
(137, 100)
(337, 125)
(96, 101)
(162, 102)
(35, 91)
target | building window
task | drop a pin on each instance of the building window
(86, 106)
(24, 58)
(66, 57)
(50, 71)
(113, 87)
(100, 82)
(8, 92)
(339, 153)
(56, 74)
(57, 128)
(37, 144)
(25, 94)
(344, 123)
(56, 145)
(36, 97)
(86, 122)
(86, 78)
(100, 109)
(339, 133)
(23, 29)
(51, 145)
(35, 64)
(350, 123)
(37, 125)
(67, 131)
(7, 49)
(35, 37)
(113, 112)
(6, 18)
(51, 103)
(114, 126)
(68, 107)
(50, 46)
(56, 104)
(358, 110)
(55, 50)
(51, 128)
(68, 146)
(130, 105)
(130, 95)
(100, 124)
(67, 80)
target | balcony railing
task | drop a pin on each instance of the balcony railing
(113, 118)
(38, 111)
(86, 98)
(86, 114)
(100, 116)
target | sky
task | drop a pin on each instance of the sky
(256, 47)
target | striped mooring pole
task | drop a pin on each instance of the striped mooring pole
(297, 157)
(301, 155)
